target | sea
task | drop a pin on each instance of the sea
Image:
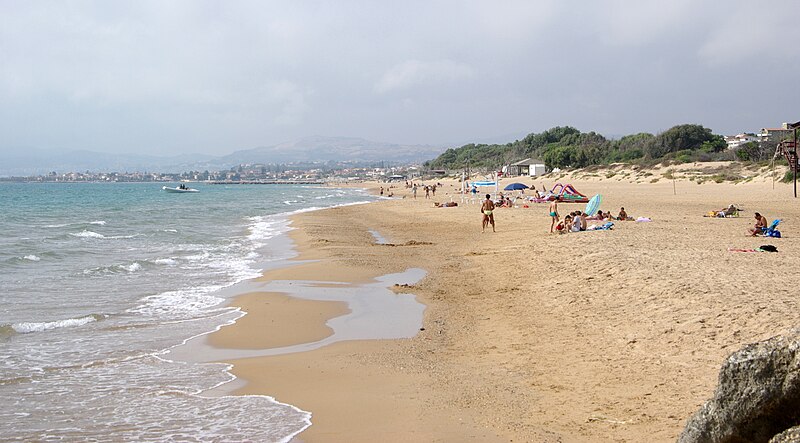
(99, 281)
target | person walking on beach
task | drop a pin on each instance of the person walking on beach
(554, 213)
(487, 209)
(414, 190)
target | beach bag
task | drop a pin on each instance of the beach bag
(774, 233)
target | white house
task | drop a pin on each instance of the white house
(736, 141)
(529, 166)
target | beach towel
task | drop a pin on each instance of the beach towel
(604, 227)
(643, 219)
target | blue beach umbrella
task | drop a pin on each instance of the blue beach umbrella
(515, 187)
(593, 205)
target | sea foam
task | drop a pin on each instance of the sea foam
(28, 327)
(88, 234)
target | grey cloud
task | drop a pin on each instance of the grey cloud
(212, 77)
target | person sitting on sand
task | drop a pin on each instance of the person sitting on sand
(727, 212)
(487, 209)
(761, 224)
(580, 220)
(622, 214)
(566, 226)
(576, 222)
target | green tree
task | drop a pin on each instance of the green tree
(678, 138)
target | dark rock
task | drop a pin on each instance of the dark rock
(791, 435)
(758, 395)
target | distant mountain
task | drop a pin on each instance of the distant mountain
(309, 149)
(494, 139)
(324, 149)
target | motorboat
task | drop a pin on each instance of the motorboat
(178, 189)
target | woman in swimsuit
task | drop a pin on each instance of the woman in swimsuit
(487, 209)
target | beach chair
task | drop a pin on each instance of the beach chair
(772, 229)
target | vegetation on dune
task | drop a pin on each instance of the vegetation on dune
(567, 147)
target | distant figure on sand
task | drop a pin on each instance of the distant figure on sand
(622, 214)
(761, 224)
(554, 214)
(414, 190)
(487, 209)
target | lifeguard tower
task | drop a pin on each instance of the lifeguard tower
(788, 148)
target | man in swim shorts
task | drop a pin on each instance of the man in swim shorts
(554, 213)
(761, 224)
(487, 209)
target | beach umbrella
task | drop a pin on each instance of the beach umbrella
(515, 187)
(593, 205)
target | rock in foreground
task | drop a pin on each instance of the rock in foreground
(758, 396)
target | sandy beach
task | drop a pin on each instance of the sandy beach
(527, 336)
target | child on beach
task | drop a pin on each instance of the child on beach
(566, 226)
(487, 209)
(553, 214)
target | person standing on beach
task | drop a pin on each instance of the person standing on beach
(414, 190)
(554, 214)
(487, 209)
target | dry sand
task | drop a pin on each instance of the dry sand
(594, 336)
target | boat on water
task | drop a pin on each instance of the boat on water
(179, 189)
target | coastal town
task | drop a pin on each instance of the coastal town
(244, 174)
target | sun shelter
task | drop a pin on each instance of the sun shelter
(487, 183)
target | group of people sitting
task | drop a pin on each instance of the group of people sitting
(504, 202)
(576, 221)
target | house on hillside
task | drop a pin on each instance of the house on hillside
(736, 141)
(529, 166)
(776, 134)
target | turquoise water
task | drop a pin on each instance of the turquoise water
(99, 281)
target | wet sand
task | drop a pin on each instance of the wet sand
(528, 336)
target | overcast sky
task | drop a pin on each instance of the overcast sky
(212, 77)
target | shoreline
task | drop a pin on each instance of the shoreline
(528, 336)
(295, 386)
